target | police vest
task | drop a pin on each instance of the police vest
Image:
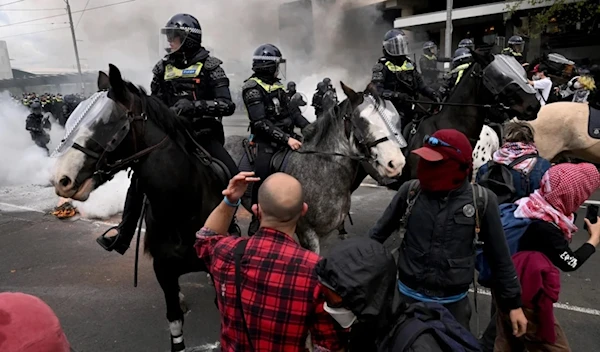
(510, 51)
(461, 70)
(406, 66)
(275, 102)
(430, 57)
(185, 82)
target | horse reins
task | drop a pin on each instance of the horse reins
(119, 164)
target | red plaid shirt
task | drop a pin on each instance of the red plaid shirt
(281, 295)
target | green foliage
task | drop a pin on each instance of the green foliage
(543, 19)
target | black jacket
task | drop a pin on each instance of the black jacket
(201, 80)
(545, 237)
(437, 255)
(272, 119)
(402, 77)
(363, 272)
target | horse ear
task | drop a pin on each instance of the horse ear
(103, 81)
(119, 88)
(351, 94)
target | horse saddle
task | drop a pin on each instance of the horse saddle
(217, 166)
(594, 123)
(278, 160)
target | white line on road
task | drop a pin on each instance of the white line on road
(589, 311)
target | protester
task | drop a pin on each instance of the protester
(550, 214)
(359, 276)
(27, 324)
(542, 84)
(279, 301)
(437, 255)
(540, 282)
(520, 155)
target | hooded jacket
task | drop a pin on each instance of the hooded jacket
(363, 273)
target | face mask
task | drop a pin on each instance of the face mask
(577, 85)
(343, 316)
(536, 78)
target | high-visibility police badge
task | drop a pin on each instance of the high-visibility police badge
(469, 210)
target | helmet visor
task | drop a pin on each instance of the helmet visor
(172, 39)
(518, 47)
(396, 46)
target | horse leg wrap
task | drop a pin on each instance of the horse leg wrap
(177, 343)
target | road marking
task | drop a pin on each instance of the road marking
(589, 311)
(208, 347)
(93, 221)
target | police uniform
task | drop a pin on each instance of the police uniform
(462, 61)
(399, 81)
(272, 120)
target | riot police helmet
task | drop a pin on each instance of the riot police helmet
(395, 43)
(181, 34)
(327, 81)
(36, 107)
(517, 43)
(268, 60)
(429, 48)
(462, 56)
(321, 87)
(466, 43)
(291, 86)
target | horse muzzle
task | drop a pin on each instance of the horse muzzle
(67, 188)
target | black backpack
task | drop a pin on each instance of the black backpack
(498, 178)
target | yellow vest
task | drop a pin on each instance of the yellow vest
(268, 87)
(172, 72)
(461, 70)
(406, 66)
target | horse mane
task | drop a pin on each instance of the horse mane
(318, 132)
(175, 126)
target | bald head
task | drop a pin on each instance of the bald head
(280, 198)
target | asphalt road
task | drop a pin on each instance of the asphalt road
(92, 291)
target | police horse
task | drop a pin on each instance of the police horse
(120, 127)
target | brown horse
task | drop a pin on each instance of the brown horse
(561, 129)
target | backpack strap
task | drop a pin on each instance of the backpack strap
(480, 199)
(409, 332)
(414, 189)
(522, 158)
(239, 250)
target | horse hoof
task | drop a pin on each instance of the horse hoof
(177, 347)
(210, 281)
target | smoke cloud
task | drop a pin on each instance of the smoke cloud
(319, 39)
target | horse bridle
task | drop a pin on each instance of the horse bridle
(104, 170)
(364, 158)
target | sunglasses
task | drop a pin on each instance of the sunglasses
(436, 142)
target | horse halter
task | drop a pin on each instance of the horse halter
(104, 170)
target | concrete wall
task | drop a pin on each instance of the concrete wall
(5, 68)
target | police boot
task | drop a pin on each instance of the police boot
(254, 226)
(121, 241)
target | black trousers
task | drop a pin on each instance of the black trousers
(262, 166)
(215, 148)
(461, 310)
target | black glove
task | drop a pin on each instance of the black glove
(183, 107)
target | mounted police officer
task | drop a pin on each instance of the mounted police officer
(428, 63)
(317, 100)
(466, 43)
(35, 124)
(272, 120)
(461, 61)
(515, 48)
(291, 89)
(296, 99)
(195, 86)
(396, 77)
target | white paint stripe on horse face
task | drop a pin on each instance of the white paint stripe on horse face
(70, 163)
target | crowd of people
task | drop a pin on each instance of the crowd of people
(274, 295)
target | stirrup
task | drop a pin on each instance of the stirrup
(113, 239)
